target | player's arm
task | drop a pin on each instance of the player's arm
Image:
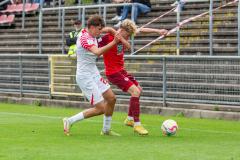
(99, 51)
(152, 30)
(123, 41)
(109, 30)
(118, 36)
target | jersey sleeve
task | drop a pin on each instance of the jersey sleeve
(86, 42)
(103, 41)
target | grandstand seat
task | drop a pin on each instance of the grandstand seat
(6, 20)
(10, 9)
(10, 19)
(3, 19)
(33, 7)
(19, 8)
(27, 6)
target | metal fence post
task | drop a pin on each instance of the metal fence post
(178, 29)
(59, 14)
(40, 30)
(49, 78)
(164, 72)
(83, 17)
(211, 28)
(105, 14)
(238, 28)
(79, 10)
(132, 37)
(20, 75)
(100, 8)
(23, 14)
(54, 2)
(63, 27)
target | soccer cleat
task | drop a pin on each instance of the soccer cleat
(66, 126)
(140, 130)
(110, 133)
(128, 122)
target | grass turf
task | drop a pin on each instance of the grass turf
(36, 133)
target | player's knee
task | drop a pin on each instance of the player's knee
(112, 99)
(136, 93)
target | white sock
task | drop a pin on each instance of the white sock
(77, 117)
(107, 123)
(137, 123)
(130, 118)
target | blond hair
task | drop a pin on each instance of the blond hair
(129, 26)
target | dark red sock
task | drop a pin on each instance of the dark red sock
(130, 114)
(135, 108)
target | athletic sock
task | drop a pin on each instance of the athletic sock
(75, 118)
(134, 102)
(137, 124)
(130, 108)
(130, 118)
(107, 123)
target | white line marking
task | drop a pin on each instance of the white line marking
(115, 122)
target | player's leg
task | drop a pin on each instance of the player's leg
(93, 94)
(122, 83)
(110, 100)
(135, 107)
(135, 91)
(98, 109)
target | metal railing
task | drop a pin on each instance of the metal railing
(193, 79)
(24, 74)
(189, 79)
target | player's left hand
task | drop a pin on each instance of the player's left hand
(117, 37)
(163, 31)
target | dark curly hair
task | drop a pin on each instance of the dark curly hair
(95, 20)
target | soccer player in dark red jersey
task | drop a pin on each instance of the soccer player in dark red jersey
(117, 75)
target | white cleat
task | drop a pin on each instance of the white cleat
(66, 126)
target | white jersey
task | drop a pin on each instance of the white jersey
(88, 77)
(86, 60)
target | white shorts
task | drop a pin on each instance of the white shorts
(92, 87)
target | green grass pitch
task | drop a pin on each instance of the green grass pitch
(36, 133)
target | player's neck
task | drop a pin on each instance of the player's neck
(90, 32)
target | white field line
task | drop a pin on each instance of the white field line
(115, 122)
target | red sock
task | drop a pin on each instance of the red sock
(135, 108)
(130, 114)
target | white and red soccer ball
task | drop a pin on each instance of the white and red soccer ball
(169, 127)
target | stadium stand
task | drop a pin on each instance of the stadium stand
(194, 36)
(18, 8)
(188, 80)
(10, 8)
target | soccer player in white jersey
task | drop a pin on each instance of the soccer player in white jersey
(88, 78)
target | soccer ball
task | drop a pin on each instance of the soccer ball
(169, 127)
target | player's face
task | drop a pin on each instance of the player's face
(77, 26)
(96, 30)
(124, 33)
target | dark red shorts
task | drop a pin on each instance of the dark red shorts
(122, 80)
